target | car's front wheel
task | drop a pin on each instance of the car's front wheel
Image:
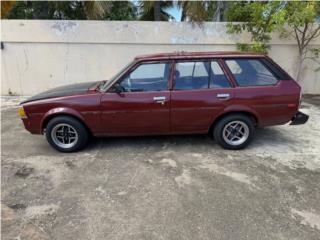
(234, 131)
(66, 134)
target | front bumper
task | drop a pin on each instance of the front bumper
(32, 128)
(299, 118)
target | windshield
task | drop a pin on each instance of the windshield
(108, 83)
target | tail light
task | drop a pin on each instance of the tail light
(300, 98)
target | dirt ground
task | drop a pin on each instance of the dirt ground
(180, 187)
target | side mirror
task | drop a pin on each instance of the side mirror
(117, 88)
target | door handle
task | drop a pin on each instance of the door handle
(161, 99)
(223, 95)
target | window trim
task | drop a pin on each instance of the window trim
(228, 73)
(120, 74)
(231, 85)
(281, 74)
(250, 58)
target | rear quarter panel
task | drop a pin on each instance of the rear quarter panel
(273, 105)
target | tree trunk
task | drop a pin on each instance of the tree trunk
(226, 6)
(183, 15)
(217, 14)
(299, 70)
(157, 11)
(184, 7)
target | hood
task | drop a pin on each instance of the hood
(63, 91)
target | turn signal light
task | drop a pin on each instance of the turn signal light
(22, 113)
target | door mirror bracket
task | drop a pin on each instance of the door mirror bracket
(117, 88)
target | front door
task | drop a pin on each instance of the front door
(200, 92)
(142, 106)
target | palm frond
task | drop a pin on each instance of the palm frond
(147, 10)
(6, 6)
(197, 11)
(146, 6)
(96, 9)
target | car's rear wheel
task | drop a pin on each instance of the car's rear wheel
(66, 134)
(234, 131)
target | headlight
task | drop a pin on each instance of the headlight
(22, 113)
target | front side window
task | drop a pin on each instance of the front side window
(147, 77)
(251, 72)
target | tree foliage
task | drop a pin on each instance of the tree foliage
(6, 7)
(258, 18)
(155, 10)
(297, 19)
(301, 23)
(199, 11)
(47, 10)
(96, 9)
(122, 10)
(193, 11)
(73, 10)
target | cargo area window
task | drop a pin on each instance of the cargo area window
(251, 72)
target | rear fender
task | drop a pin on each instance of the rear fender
(237, 109)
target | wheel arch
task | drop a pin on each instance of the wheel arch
(59, 112)
(250, 114)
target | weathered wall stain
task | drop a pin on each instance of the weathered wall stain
(61, 27)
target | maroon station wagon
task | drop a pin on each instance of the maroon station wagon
(225, 94)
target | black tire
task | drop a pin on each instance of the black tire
(219, 128)
(81, 131)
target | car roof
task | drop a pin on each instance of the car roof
(190, 55)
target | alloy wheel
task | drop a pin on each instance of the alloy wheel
(64, 135)
(235, 133)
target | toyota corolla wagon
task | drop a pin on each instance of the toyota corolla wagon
(224, 94)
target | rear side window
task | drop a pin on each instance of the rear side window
(199, 75)
(191, 75)
(251, 72)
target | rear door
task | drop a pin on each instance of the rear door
(200, 91)
(142, 107)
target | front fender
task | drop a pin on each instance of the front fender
(60, 111)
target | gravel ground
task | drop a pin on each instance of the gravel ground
(180, 187)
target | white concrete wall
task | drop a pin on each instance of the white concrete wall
(38, 55)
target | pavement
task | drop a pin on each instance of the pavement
(169, 187)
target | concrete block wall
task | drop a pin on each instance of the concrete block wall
(41, 54)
